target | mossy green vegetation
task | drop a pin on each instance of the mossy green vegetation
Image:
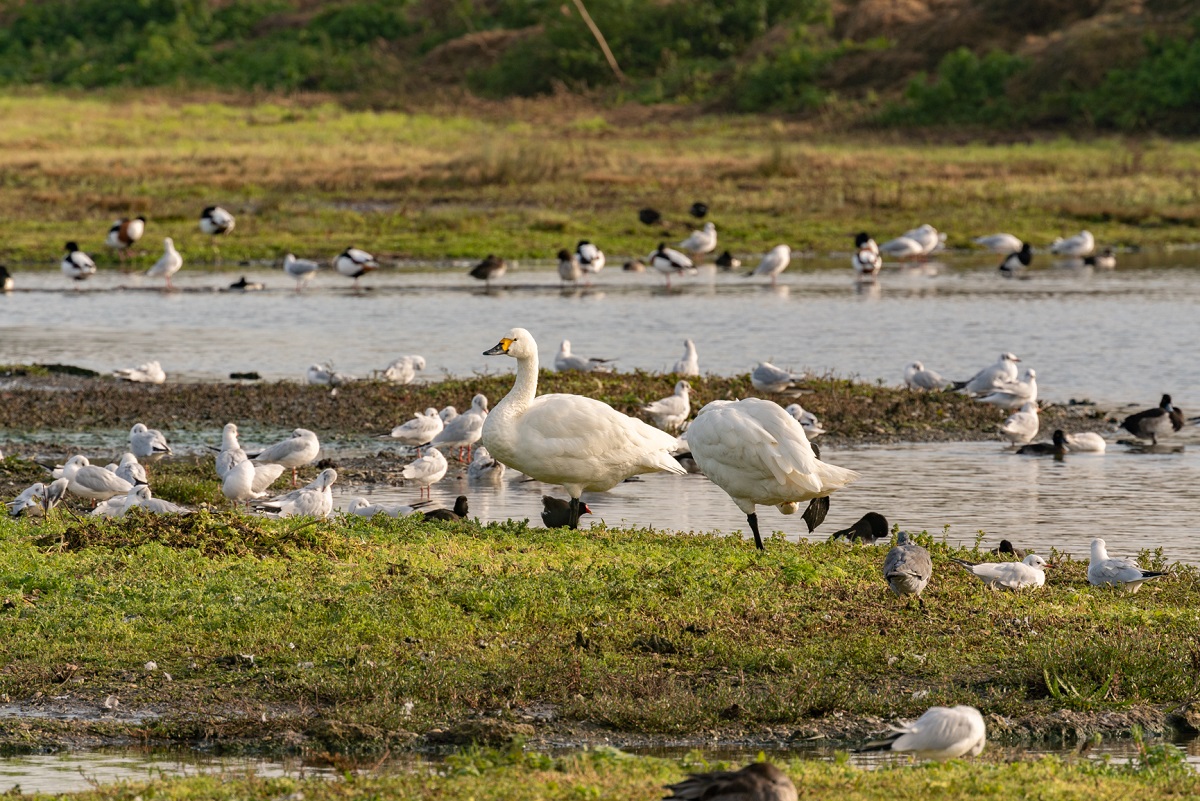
(607, 773)
(313, 177)
(356, 634)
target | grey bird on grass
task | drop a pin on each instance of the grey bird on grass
(907, 568)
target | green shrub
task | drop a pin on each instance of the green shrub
(968, 89)
(1162, 91)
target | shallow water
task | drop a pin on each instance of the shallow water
(1036, 502)
(78, 771)
(1116, 337)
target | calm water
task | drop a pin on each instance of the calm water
(1115, 337)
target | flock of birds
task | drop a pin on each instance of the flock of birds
(587, 260)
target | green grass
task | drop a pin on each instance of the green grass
(605, 773)
(523, 180)
(370, 633)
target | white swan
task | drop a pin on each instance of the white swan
(168, 263)
(759, 454)
(1022, 426)
(774, 262)
(689, 365)
(669, 413)
(578, 443)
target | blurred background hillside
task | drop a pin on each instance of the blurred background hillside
(1126, 65)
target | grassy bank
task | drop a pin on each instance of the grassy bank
(524, 180)
(362, 634)
(608, 774)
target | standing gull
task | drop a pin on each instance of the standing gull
(299, 449)
(420, 430)
(671, 412)
(774, 262)
(759, 455)
(301, 269)
(1105, 571)
(464, 430)
(689, 365)
(702, 241)
(168, 263)
(426, 471)
(579, 443)
(1022, 426)
(907, 568)
(404, 369)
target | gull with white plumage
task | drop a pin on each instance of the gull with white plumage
(464, 430)
(807, 420)
(671, 412)
(404, 369)
(766, 377)
(941, 733)
(774, 262)
(314, 500)
(355, 263)
(146, 373)
(301, 269)
(1125, 574)
(917, 377)
(1026, 574)
(565, 361)
(1003, 371)
(1015, 394)
(298, 450)
(689, 365)
(420, 430)
(1021, 426)
(426, 471)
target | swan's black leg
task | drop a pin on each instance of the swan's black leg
(753, 520)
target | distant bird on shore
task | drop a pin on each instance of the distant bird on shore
(917, 377)
(591, 258)
(907, 568)
(1106, 571)
(566, 362)
(420, 430)
(759, 455)
(568, 266)
(1001, 244)
(669, 261)
(168, 264)
(1022, 425)
(766, 377)
(1151, 424)
(491, 268)
(649, 216)
(1003, 371)
(216, 221)
(1106, 260)
(702, 241)
(902, 248)
(1055, 448)
(923, 240)
(355, 263)
(941, 733)
(242, 285)
(671, 412)
(301, 269)
(807, 420)
(866, 260)
(727, 261)
(758, 781)
(689, 365)
(774, 262)
(1015, 394)
(404, 369)
(76, 265)
(870, 528)
(146, 373)
(148, 443)
(1015, 262)
(324, 375)
(124, 233)
(698, 210)
(1082, 244)
(6, 280)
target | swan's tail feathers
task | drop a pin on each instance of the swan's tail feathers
(666, 463)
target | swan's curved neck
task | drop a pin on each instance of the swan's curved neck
(524, 388)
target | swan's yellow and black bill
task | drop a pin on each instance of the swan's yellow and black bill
(501, 347)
